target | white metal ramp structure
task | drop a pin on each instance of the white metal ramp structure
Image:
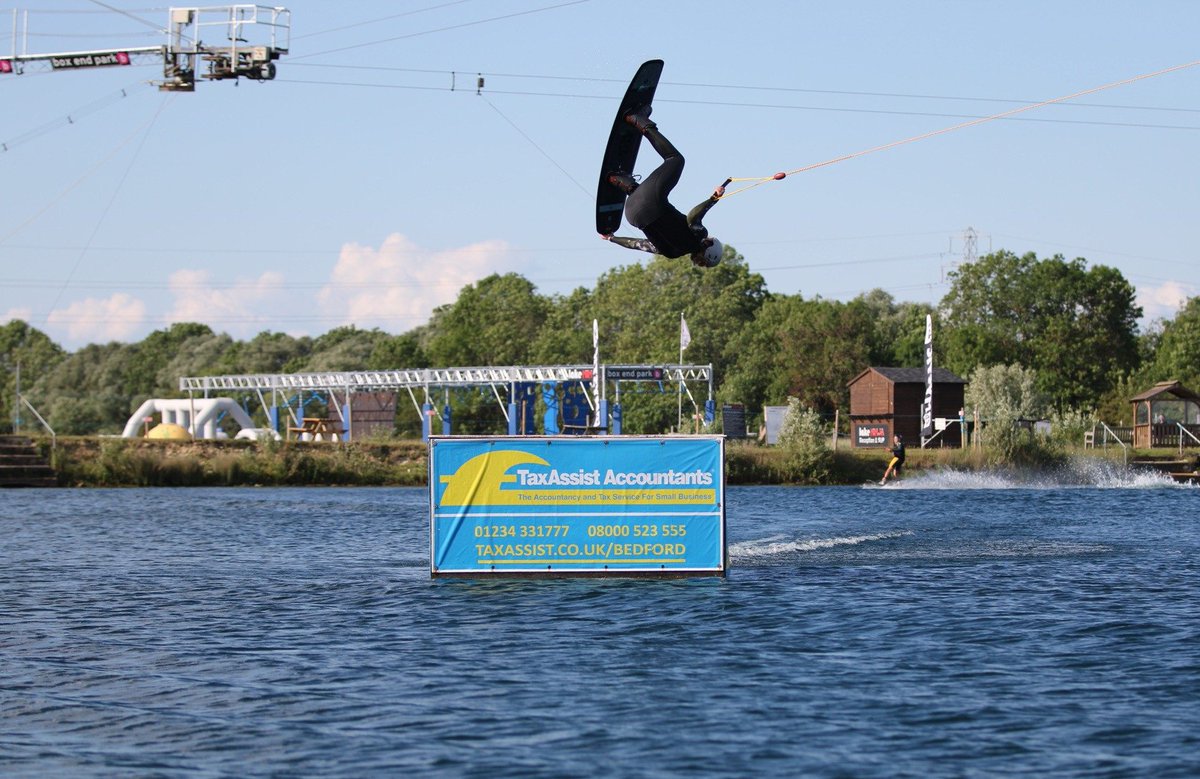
(427, 382)
(251, 38)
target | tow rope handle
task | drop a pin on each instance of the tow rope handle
(756, 179)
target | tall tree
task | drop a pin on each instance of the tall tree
(268, 352)
(1005, 391)
(205, 355)
(899, 338)
(87, 391)
(344, 349)
(32, 352)
(806, 349)
(829, 344)
(399, 352)
(566, 334)
(96, 388)
(985, 312)
(1178, 355)
(1006, 397)
(758, 376)
(639, 309)
(143, 377)
(1075, 327)
(493, 322)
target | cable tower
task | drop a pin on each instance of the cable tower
(253, 37)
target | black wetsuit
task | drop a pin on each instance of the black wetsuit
(668, 232)
(898, 454)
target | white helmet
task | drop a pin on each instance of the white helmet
(712, 255)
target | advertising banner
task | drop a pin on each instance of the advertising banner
(634, 373)
(622, 505)
(868, 434)
(98, 59)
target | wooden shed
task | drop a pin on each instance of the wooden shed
(885, 401)
(1159, 412)
(372, 414)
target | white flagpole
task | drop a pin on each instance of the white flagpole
(596, 368)
(679, 414)
(682, 345)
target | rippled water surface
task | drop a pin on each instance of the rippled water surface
(953, 626)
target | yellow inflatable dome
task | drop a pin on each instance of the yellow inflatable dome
(170, 432)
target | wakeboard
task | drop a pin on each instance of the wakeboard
(624, 140)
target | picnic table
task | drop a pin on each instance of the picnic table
(318, 429)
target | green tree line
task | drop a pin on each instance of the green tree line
(1073, 327)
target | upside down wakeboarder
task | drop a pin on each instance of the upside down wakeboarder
(668, 232)
(646, 205)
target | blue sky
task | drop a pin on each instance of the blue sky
(369, 182)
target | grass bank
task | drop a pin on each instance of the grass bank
(140, 462)
(749, 463)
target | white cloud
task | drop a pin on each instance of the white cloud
(240, 308)
(95, 320)
(1163, 301)
(23, 314)
(397, 286)
(394, 287)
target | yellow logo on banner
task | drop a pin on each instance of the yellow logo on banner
(477, 482)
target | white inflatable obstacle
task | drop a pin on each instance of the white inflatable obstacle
(179, 411)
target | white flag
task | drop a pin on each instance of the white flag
(596, 361)
(685, 337)
(596, 349)
(927, 405)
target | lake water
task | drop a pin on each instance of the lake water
(954, 625)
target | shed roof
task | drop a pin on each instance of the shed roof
(912, 375)
(1166, 388)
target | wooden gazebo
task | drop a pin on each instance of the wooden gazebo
(1159, 411)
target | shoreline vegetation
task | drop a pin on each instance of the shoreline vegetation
(87, 461)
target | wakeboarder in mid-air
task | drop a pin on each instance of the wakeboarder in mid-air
(668, 232)
(645, 204)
